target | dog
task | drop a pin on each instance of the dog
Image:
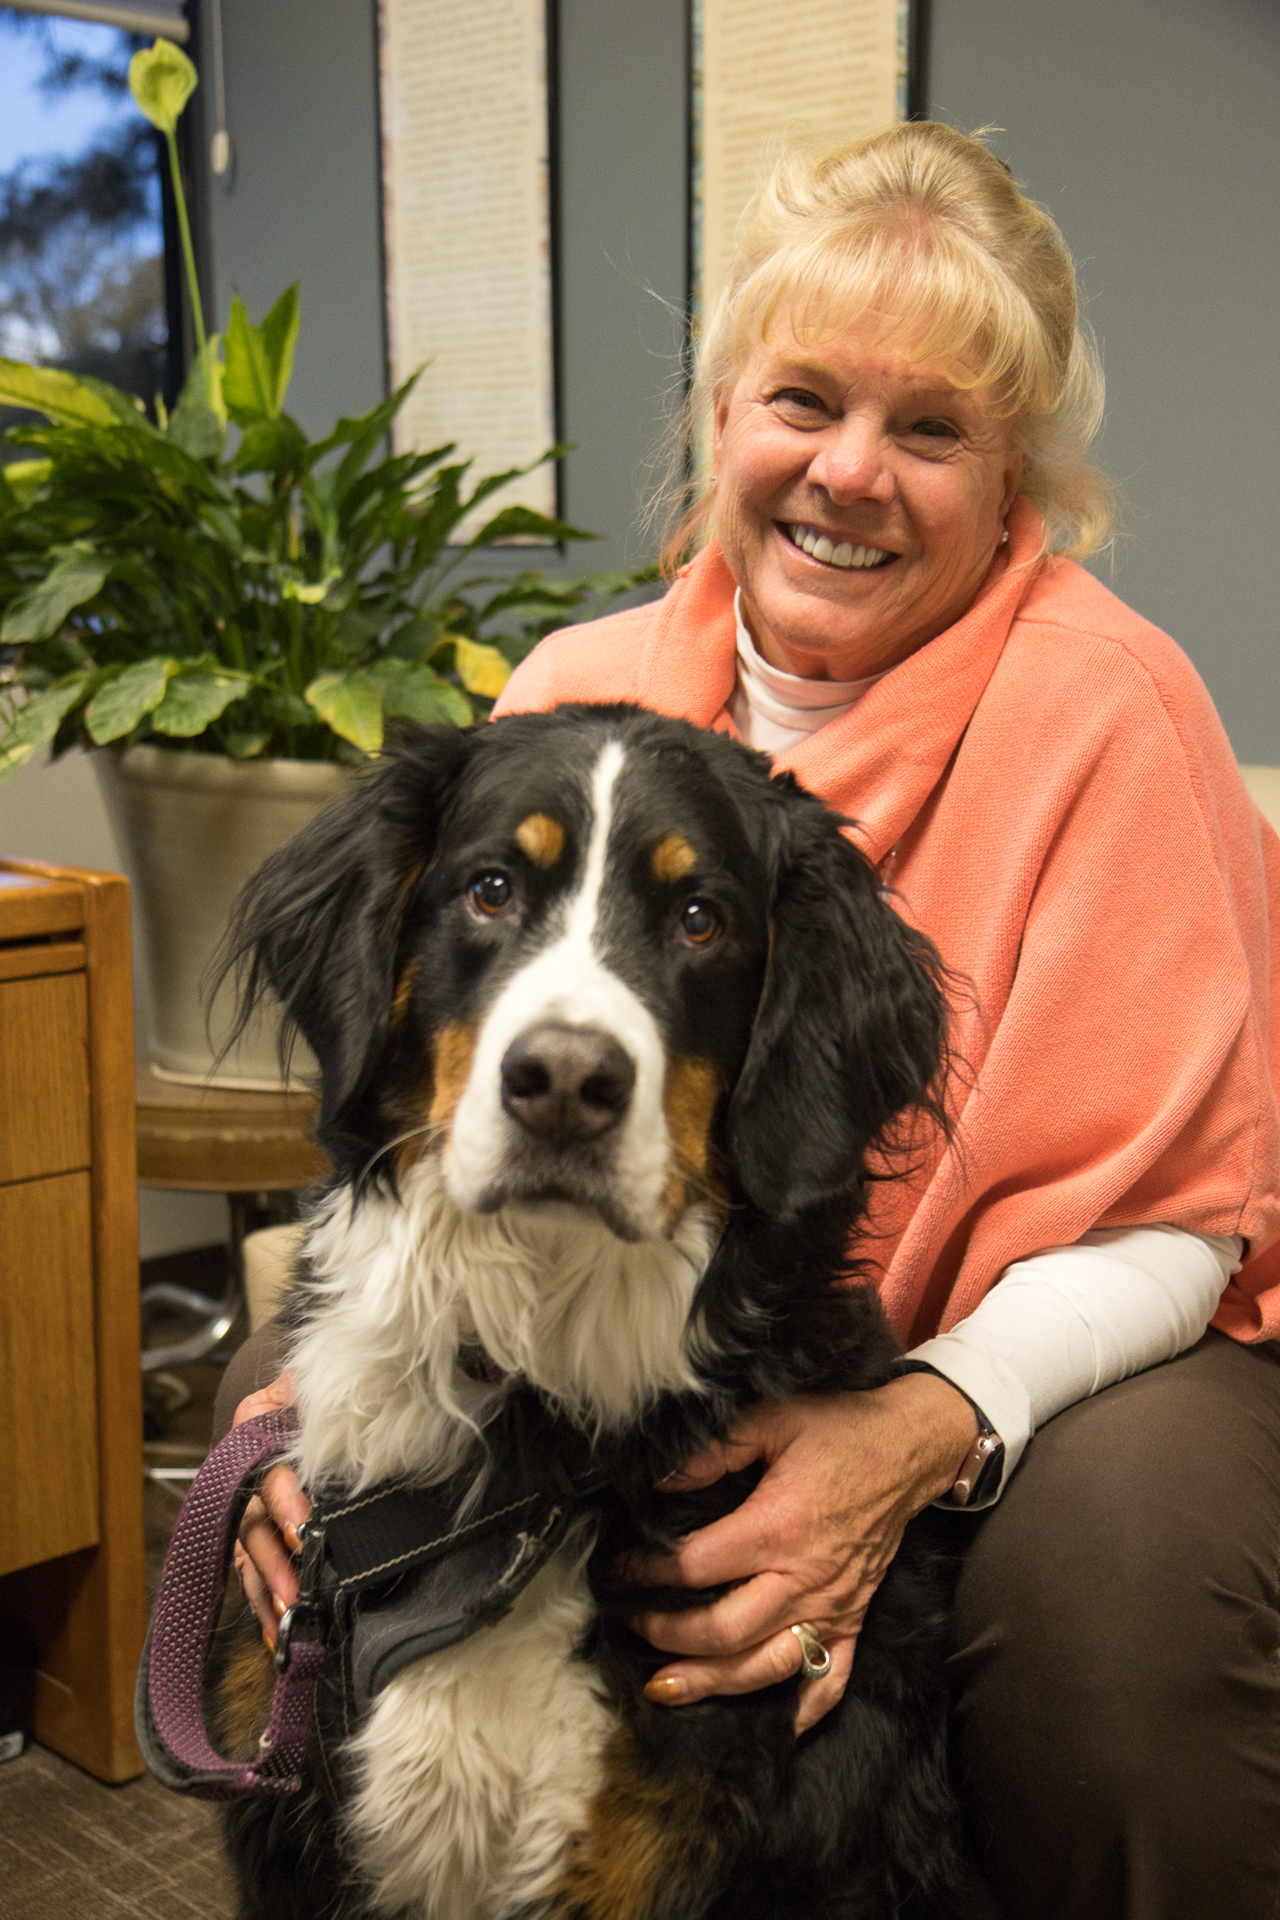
(615, 1027)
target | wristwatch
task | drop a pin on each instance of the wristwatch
(984, 1463)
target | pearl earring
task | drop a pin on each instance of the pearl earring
(1004, 538)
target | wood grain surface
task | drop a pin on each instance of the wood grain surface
(49, 1454)
(86, 1611)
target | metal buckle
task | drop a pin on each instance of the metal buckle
(312, 1537)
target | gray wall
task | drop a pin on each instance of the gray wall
(1148, 127)
(303, 204)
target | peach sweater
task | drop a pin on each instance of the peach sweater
(1048, 789)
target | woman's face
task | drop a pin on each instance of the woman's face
(895, 472)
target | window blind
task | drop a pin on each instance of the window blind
(166, 17)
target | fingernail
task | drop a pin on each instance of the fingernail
(292, 1539)
(268, 1641)
(667, 1693)
(279, 1606)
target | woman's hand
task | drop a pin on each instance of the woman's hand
(812, 1542)
(268, 1539)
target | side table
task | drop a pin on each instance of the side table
(256, 1148)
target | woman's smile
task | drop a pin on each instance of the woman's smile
(837, 552)
(860, 498)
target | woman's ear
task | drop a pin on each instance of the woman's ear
(850, 1030)
(318, 924)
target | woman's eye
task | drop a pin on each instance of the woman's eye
(798, 400)
(699, 924)
(935, 429)
(491, 894)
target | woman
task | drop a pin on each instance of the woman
(902, 402)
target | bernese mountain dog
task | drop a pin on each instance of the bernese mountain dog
(614, 1029)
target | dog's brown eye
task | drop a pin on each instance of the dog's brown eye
(699, 924)
(491, 894)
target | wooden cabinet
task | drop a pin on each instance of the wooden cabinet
(71, 1534)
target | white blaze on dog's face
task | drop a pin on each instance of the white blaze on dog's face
(614, 956)
(568, 994)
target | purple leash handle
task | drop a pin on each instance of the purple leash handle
(168, 1719)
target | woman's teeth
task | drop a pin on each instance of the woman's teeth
(845, 555)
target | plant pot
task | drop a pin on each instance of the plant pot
(192, 827)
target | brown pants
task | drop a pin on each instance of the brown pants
(1116, 1663)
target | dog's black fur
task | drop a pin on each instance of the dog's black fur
(823, 1015)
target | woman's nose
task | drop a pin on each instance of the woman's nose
(852, 463)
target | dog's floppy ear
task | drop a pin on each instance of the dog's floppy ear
(318, 924)
(850, 1029)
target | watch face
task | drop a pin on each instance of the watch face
(981, 1471)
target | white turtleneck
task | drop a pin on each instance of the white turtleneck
(1066, 1321)
(772, 710)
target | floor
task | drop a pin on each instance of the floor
(74, 1849)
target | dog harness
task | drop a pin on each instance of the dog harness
(386, 1576)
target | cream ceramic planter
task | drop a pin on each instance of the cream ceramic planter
(192, 828)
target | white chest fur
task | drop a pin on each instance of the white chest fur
(477, 1764)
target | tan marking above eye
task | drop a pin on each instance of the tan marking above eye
(673, 858)
(541, 838)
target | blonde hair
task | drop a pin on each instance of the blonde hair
(928, 227)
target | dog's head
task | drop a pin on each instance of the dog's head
(596, 957)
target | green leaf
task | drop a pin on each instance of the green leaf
(69, 402)
(245, 746)
(117, 707)
(246, 376)
(197, 429)
(352, 705)
(21, 481)
(353, 632)
(194, 698)
(522, 523)
(37, 721)
(203, 384)
(76, 577)
(272, 446)
(416, 693)
(223, 523)
(259, 360)
(309, 592)
(162, 80)
(416, 637)
(481, 669)
(279, 334)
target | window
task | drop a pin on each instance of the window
(82, 255)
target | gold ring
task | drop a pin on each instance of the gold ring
(815, 1660)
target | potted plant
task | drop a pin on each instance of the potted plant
(238, 615)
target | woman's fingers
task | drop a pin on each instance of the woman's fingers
(744, 1542)
(287, 1504)
(269, 1399)
(269, 1531)
(702, 1469)
(256, 1593)
(262, 1544)
(774, 1659)
(819, 1696)
(740, 1619)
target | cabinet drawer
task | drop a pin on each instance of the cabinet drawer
(48, 1392)
(44, 1076)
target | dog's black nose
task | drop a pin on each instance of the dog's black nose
(566, 1083)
